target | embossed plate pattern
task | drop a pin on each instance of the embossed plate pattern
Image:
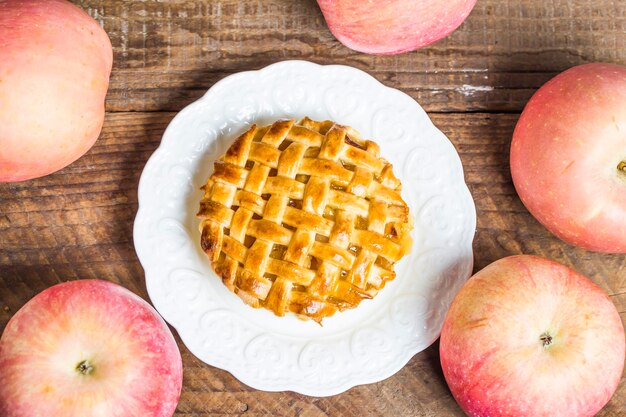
(364, 345)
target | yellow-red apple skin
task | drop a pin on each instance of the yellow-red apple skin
(565, 153)
(137, 367)
(493, 356)
(385, 27)
(55, 63)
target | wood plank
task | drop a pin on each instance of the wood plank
(167, 54)
(77, 223)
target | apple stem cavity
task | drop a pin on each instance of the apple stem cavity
(84, 368)
(546, 339)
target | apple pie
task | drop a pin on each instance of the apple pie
(304, 217)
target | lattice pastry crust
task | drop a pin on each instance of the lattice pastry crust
(304, 217)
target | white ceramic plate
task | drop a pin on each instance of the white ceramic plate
(364, 345)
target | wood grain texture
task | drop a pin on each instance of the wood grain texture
(168, 53)
(77, 223)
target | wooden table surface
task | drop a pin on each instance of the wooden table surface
(78, 222)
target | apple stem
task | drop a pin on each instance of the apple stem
(84, 368)
(622, 166)
(546, 339)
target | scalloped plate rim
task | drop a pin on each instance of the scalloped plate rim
(264, 385)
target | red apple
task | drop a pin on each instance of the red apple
(568, 156)
(527, 336)
(55, 63)
(393, 26)
(88, 348)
